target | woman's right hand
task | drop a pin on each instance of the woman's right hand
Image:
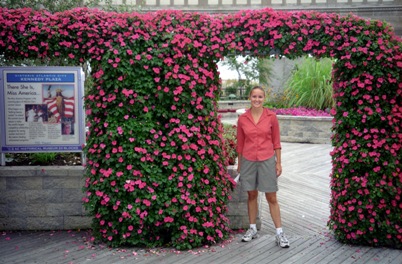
(238, 162)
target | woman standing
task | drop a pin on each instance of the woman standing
(259, 161)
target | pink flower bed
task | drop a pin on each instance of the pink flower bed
(300, 111)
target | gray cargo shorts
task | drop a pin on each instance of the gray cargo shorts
(259, 175)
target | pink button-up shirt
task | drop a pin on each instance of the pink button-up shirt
(257, 142)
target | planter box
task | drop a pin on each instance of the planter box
(42, 198)
(305, 129)
(233, 104)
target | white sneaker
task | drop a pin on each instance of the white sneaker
(250, 234)
(282, 241)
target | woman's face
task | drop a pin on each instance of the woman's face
(257, 98)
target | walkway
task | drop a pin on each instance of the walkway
(304, 198)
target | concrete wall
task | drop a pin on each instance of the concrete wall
(233, 105)
(303, 129)
(238, 212)
(42, 198)
(50, 198)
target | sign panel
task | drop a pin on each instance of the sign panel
(42, 109)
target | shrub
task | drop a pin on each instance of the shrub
(310, 84)
(43, 158)
(230, 142)
(231, 90)
(239, 88)
(276, 99)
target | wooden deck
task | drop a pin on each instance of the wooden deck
(304, 198)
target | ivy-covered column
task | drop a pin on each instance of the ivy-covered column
(156, 173)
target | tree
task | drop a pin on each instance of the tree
(62, 5)
(252, 69)
(234, 64)
(264, 67)
(50, 5)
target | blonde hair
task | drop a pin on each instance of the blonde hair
(254, 88)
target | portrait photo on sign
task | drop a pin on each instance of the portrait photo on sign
(60, 103)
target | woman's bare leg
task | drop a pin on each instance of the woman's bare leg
(274, 209)
(252, 206)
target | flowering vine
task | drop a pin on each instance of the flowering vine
(156, 173)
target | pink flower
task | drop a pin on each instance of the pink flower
(146, 202)
(208, 224)
(168, 219)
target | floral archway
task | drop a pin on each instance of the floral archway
(156, 173)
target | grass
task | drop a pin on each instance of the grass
(311, 85)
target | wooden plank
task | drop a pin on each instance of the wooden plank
(33, 244)
(51, 247)
(345, 253)
(274, 252)
(243, 250)
(319, 250)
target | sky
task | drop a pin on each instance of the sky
(227, 74)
